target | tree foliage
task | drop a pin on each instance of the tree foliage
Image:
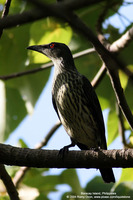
(23, 75)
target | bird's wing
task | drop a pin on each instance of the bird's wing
(55, 107)
(95, 108)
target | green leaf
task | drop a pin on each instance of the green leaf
(70, 177)
(90, 14)
(22, 144)
(88, 65)
(126, 175)
(42, 196)
(4, 198)
(13, 59)
(97, 185)
(123, 79)
(22, 93)
(2, 110)
(14, 103)
(37, 178)
(128, 92)
(31, 86)
(106, 94)
(12, 170)
(125, 189)
(112, 126)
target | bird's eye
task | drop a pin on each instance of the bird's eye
(52, 45)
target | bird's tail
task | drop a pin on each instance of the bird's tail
(107, 175)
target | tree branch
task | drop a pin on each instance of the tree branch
(117, 46)
(111, 62)
(22, 18)
(122, 42)
(121, 128)
(39, 158)
(99, 76)
(78, 4)
(44, 10)
(5, 13)
(4, 176)
(48, 136)
(100, 21)
(27, 72)
(8, 183)
(43, 67)
(6, 8)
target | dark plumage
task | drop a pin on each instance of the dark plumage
(76, 103)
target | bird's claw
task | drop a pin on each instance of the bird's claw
(63, 151)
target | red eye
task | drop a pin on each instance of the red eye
(52, 45)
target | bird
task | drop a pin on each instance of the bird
(75, 103)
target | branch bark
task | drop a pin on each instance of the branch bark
(39, 158)
(122, 42)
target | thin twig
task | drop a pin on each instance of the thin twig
(20, 175)
(44, 10)
(8, 183)
(24, 73)
(43, 67)
(115, 47)
(99, 26)
(22, 171)
(121, 128)
(48, 136)
(122, 42)
(119, 45)
(6, 8)
(99, 76)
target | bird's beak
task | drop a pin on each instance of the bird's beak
(38, 48)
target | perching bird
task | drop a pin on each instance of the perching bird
(76, 103)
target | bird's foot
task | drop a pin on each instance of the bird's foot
(65, 149)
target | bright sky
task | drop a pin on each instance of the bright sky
(34, 128)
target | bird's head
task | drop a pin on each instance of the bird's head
(55, 51)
